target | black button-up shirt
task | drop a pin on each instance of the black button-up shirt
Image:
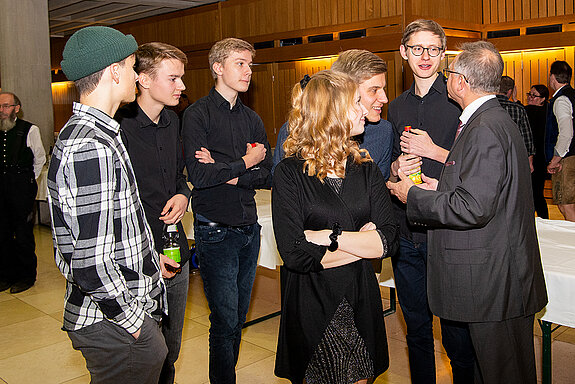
(156, 155)
(435, 113)
(224, 131)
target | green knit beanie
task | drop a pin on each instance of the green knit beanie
(92, 49)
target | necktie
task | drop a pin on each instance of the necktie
(459, 128)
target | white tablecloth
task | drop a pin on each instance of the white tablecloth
(557, 245)
(269, 256)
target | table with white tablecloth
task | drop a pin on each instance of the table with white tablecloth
(269, 257)
(557, 245)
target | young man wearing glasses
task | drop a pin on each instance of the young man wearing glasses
(434, 119)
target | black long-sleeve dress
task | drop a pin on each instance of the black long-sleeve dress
(315, 299)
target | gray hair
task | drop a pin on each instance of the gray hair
(482, 66)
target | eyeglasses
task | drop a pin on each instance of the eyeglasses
(6, 106)
(417, 50)
(529, 94)
(447, 71)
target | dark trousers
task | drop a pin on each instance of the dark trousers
(17, 246)
(410, 275)
(173, 323)
(113, 355)
(538, 183)
(228, 259)
(505, 351)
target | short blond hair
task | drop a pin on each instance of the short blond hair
(319, 126)
(422, 25)
(150, 55)
(360, 64)
(223, 49)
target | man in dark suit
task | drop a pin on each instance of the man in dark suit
(484, 269)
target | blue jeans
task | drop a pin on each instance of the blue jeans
(228, 258)
(410, 274)
(173, 324)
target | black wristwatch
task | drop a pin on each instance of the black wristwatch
(335, 232)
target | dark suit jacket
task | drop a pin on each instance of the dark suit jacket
(483, 255)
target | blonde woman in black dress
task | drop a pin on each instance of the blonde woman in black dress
(331, 215)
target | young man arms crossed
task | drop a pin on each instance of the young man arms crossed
(227, 156)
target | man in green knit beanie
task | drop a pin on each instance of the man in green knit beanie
(104, 247)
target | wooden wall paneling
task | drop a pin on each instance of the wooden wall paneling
(569, 7)
(259, 97)
(198, 83)
(514, 69)
(542, 9)
(551, 9)
(63, 95)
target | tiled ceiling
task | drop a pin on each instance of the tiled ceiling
(66, 16)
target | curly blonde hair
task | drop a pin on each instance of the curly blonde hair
(319, 126)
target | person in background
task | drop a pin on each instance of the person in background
(115, 294)
(22, 157)
(331, 215)
(518, 115)
(536, 109)
(150, 132)
(227, 156)
(560, 146)
(434, 118)
(484, 269)
(369, 71)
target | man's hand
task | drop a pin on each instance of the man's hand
(136, 334)
(401, 188)
(166, 260)
(555, 165)
(407, 163)
(531, 167)
(254, 154)
(417, 142)
(174, 209)
(428, 183)
(204, 156)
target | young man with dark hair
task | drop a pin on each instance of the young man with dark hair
(150, 133)
(22, 157)
(227, 157)
(104, 246)
(560, 146)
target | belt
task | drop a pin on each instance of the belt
(217, 225)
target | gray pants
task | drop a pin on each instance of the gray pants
(114, 356)
(173, 323)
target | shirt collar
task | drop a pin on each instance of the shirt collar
(99, 116)
(474, 106)
(143, 119)
(557, 91)
(439, 85)
(219, 100)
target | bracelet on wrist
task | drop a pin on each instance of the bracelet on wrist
(335, 232)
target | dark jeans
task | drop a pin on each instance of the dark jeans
(17, 247)
(410, 274)
(113, 355)
(538, 182)
(228, 259)
(173, 323)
